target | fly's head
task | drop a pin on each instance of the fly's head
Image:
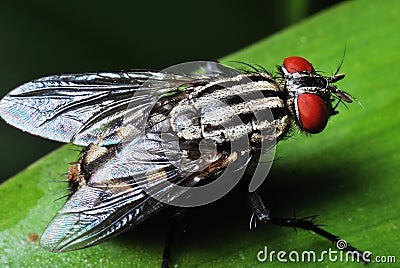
(310, 96)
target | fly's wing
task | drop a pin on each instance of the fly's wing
(87, 108)
(93, 215)
(114, 200)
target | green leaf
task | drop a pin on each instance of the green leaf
(348, 174)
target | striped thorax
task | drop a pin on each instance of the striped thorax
(225, 110)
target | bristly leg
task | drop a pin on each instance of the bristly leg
(169, 241)
(308, 223)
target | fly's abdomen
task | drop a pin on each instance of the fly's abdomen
(232, 108)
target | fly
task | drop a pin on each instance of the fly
(144, 134)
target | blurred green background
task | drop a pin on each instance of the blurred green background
(46, 37)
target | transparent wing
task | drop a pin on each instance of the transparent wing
(113, 199)
(86, 108)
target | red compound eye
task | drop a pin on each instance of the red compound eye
(312, 112)
(295, 64)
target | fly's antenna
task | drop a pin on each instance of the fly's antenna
(341, 62)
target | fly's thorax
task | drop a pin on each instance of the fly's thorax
(247, 105)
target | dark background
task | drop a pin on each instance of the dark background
(47, 37)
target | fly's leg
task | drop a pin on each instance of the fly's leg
(308, 223)
(194, 180)
(169, 241)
